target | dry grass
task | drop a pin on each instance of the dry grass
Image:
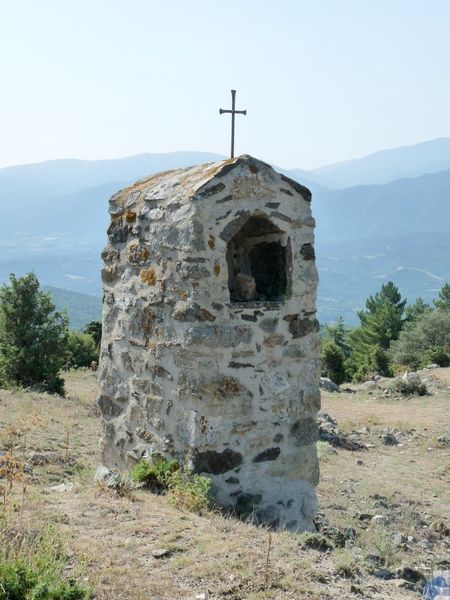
(112, 538)
(415, 470)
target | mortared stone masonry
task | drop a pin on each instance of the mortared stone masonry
(210, 350)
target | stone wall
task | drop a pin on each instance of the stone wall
(210, 351)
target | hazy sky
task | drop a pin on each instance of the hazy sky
(322, 80)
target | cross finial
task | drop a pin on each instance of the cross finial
(233, 112)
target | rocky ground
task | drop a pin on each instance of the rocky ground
(382, 530)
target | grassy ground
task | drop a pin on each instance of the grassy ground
(111, 540)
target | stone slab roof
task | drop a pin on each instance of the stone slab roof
(184, 184)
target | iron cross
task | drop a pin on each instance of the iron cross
(233, 112)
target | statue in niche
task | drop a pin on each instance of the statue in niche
(244, 282)
(245, 288)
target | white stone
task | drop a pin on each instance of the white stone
(277, 382)
(102, 474)
(62, 487)
(328, 384)
(379, 519)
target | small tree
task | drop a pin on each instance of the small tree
(81, 349)
(94, 328)
(381, 323)
(32, 336)
(443, 300)
(382, 320)
(338, 333)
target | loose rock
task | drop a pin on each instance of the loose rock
(328, 384)
(161, 553)
(379, 520)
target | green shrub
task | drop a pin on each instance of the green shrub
(33, 569)
(190, 492)
(408, 388)
(314, 541)
(154, 472)
(81, 349)
(437, 356)
(426, 337)
(19, 581)
(186, 490)
(141, 471)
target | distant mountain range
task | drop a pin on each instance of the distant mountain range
(403, 207)
(81, 308)
(387, 165)
(396, 225)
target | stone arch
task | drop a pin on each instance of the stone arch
(257, 259)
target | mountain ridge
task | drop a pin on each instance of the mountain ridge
(61, 236)
(385, 166)
(81, 308)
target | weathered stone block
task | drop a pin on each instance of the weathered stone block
(216, 463)
(190, 312)
(148, 276)
(305, 432)
(300, 327)
(138, 254)
(225, 336)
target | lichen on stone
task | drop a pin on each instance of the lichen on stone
(148, 276)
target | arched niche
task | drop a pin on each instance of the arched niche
(257, 260)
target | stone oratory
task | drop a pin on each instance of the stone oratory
(210, 351)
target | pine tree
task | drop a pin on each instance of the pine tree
(382, 320)
(333, 361)
(32, 336)
(338, 334)
(443, 301)
(416, 310)
(380, 323)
